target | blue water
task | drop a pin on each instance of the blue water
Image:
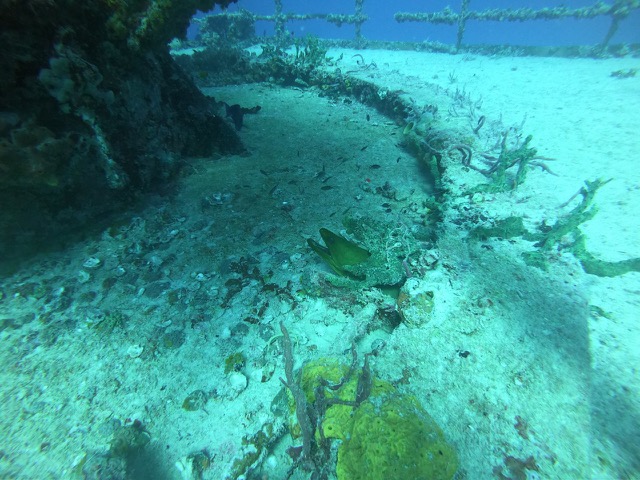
(381, 24)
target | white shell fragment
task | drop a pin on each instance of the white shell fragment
(92, 262)
(83, 277)
(237, 383)
(134, 351)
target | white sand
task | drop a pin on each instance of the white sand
(576, 112)
(588, 120)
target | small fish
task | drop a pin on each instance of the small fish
(326, 187)
(322, 173)
(375, 166)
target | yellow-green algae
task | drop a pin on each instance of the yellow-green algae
(337, 420)
(394, 437)
(387, 436)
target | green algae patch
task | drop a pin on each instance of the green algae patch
(394, 437)
(195, 401)
(551, 236)
(602, 268)
(506, 228)
(234, 362)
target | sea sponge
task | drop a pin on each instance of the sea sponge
(337, 419)
(389, 435)
(394, 437)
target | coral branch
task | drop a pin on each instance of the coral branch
(306, 426)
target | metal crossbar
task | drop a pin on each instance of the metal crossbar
(280, 19)
(617, 11)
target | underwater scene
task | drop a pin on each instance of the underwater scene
(340, 240)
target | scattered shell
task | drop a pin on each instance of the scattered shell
(264, 373)
(237, 383)
(415, 302)
(272, 461)
(477, 198)
(196, 400)
(93, 316)
(217, 198)
(156, 260)
(134, 351)
(92, 262)
(172, 340)
(83, 277)
(430, 259)
(225, 333)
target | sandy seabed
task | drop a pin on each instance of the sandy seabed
(527, 372)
